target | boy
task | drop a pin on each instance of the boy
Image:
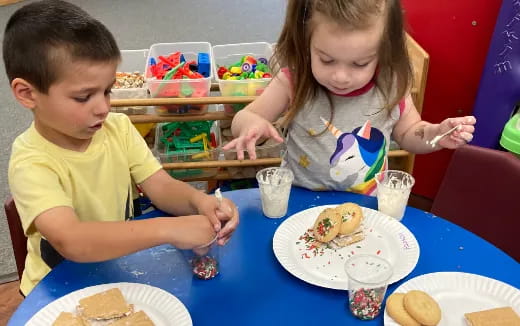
(72, 173)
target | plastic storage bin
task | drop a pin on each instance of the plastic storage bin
(131, 61)
(226, 55)
(179, 87)
(183, 142)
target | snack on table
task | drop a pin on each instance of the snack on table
(350, 231)
(422, 307)
(504, 316)
(136, 319)
(68, 319)
(396, 310)
(104, 306)
(341, 225)
(351, 217)
(327, 225)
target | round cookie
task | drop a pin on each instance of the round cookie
(422, 307)
(327, 225)
(395, 309)
(351, 217)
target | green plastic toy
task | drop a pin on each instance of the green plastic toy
(510, 139)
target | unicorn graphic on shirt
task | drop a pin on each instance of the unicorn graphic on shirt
(359, 155)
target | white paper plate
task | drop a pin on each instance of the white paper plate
(384, 236)
(162, 307)
(460, 293)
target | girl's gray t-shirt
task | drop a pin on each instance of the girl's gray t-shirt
(352, 149)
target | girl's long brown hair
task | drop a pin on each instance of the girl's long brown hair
(293, 47)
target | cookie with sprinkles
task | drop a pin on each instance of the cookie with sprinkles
(327, 225)
(351, 217)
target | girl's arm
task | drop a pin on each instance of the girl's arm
(255, 120)
(411, 132)
(273, 101)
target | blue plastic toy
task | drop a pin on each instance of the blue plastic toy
(203, 64)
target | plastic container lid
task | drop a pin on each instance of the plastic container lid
(510, 139)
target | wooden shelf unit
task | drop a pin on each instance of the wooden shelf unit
(398, 159)
(396, 155)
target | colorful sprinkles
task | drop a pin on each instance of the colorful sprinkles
(312, 246)
(205, 267)
(365, 304)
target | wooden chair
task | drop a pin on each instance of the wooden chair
(480, 193)
(420, 61)
(17, 235)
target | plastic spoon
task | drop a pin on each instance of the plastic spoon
(437, 138)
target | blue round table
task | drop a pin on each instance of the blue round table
(252, 287)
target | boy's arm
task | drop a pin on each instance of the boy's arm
(411, 132)
(170, 195)
(179, 198)
(97, 241)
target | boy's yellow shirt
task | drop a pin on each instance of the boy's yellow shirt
(96, 183)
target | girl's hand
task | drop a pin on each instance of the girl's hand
(227, 213)
(224, 218)
(459, 137)
(248, 138)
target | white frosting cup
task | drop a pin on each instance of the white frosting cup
(393, 190)
(275, 188)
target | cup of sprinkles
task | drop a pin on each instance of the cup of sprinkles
(368, 277)
(204, 260)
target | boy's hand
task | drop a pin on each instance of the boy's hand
(224, 217)
(459, 137)
(247, 140)
(195, 231)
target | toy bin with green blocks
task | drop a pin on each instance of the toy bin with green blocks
(188, 141)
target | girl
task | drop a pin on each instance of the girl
(344, 89)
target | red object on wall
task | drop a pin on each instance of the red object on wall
(456, 35)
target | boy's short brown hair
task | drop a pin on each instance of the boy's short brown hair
(41, 38)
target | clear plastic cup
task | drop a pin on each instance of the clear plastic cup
(368, 277)
(275, 188)
(204, 260)
(393, 190)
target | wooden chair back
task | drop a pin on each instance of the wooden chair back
(17, 235)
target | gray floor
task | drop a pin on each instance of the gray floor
(136, 25)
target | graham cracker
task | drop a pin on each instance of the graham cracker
(345, 240)
(68, 319)
(104, 305)
(139, 318)
(504, 316)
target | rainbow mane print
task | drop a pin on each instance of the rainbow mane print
(358, 157)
